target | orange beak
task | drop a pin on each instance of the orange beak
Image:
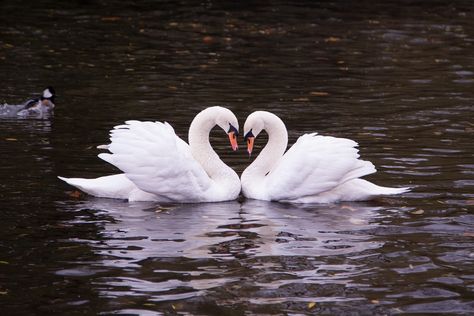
(233, 141)
(250, 144)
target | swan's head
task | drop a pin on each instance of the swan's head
(226, 120)
(252, 127)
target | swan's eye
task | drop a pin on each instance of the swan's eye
(249, 135)
(233, 130)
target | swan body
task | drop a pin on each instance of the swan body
(157, 165)
(316, 169)
(39, 107)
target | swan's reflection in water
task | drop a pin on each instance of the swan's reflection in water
(148, 230)
(184, 251)
(141, 231)
(309, 230)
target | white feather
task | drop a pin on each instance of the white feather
(157, 165)
(316, 169)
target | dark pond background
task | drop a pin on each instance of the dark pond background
(396, 76)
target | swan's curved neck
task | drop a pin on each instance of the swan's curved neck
(201, 148)
(273, 150)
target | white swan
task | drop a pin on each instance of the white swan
(316, 169)
(157, 165)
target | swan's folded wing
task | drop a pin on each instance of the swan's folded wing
(315, 164)
(157, 161)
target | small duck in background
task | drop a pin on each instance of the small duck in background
(39, 107)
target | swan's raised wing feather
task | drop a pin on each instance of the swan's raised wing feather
(157, 161)
(315, 164)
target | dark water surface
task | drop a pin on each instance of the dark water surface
(396, 77)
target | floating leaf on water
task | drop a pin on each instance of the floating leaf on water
(410, 266)
(375, 301)
(74, 194)
(4, 262)
(332, 39)
(163, 209)
(149, 304)
(418, 212)
(111, 18)
(311, 305)
(11, 139)
(301, 99)
(208, 39)
(3, 292)
(468, 234)
(8, 45)
(319, 93)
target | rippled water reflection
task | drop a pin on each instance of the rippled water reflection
(190, 251)
(394, 76)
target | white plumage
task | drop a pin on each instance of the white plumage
(157, 165)
(316, 169)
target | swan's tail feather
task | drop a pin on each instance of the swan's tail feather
(116, 186)
(361, 189)
(393, 191)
